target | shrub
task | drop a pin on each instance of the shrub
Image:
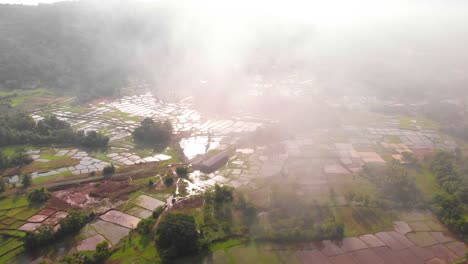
(182, 172)
(109, 170)
(145, 226)
(150, 182)
(44, 235)
(102, 252)
(168, 181)
(73, 222)
(26, 180)
(158, 211)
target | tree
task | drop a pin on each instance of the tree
(40, 237)
(74, 222)
(109, 170)
(26, 180)
(93, 139)
(177, 235)
(182, 172)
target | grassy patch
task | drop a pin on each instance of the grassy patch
(144, 152)
(175, 157)
(135, 248)
(250, 254)
(226, 244)
(51, 178)
(51, 165)
(393, 139)
(126, 142)
(10, 250)
(28, 212)
(14, 202)
(77, 109)
(16, 98)
(101, 156)
(426, 182)
(10, 150)
(13, 233)
(356, 183)
(364, 220)
(121, 115)
(52, 157)
(14, 243)
(406, 122)
(13, 212)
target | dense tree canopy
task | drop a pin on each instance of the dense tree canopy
(397, 187)
(20, 128)
(153, 134)
(39, 195)
(19, 158)
(450, 204)
(177, 235)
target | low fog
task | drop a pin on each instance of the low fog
(383, 48)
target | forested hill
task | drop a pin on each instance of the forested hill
(73, 46)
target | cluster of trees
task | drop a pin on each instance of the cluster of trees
(145, 226)
(39, 195)
(217, 210)
(177, 236)
(248, 209)
(450, 204)
(352, 196)
(158, 211)
(20, 128)
(153, 134)
(397, 188)
(92, 139)
(19, 158)
(66, 47)
(68, 225)
(452, 117)
(101, 253)
(26, 180)
(293, 220)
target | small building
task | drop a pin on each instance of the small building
(214, 163)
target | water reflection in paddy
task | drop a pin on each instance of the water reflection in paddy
(197, 145)
(196, 184)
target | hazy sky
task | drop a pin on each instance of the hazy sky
(27, 2)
